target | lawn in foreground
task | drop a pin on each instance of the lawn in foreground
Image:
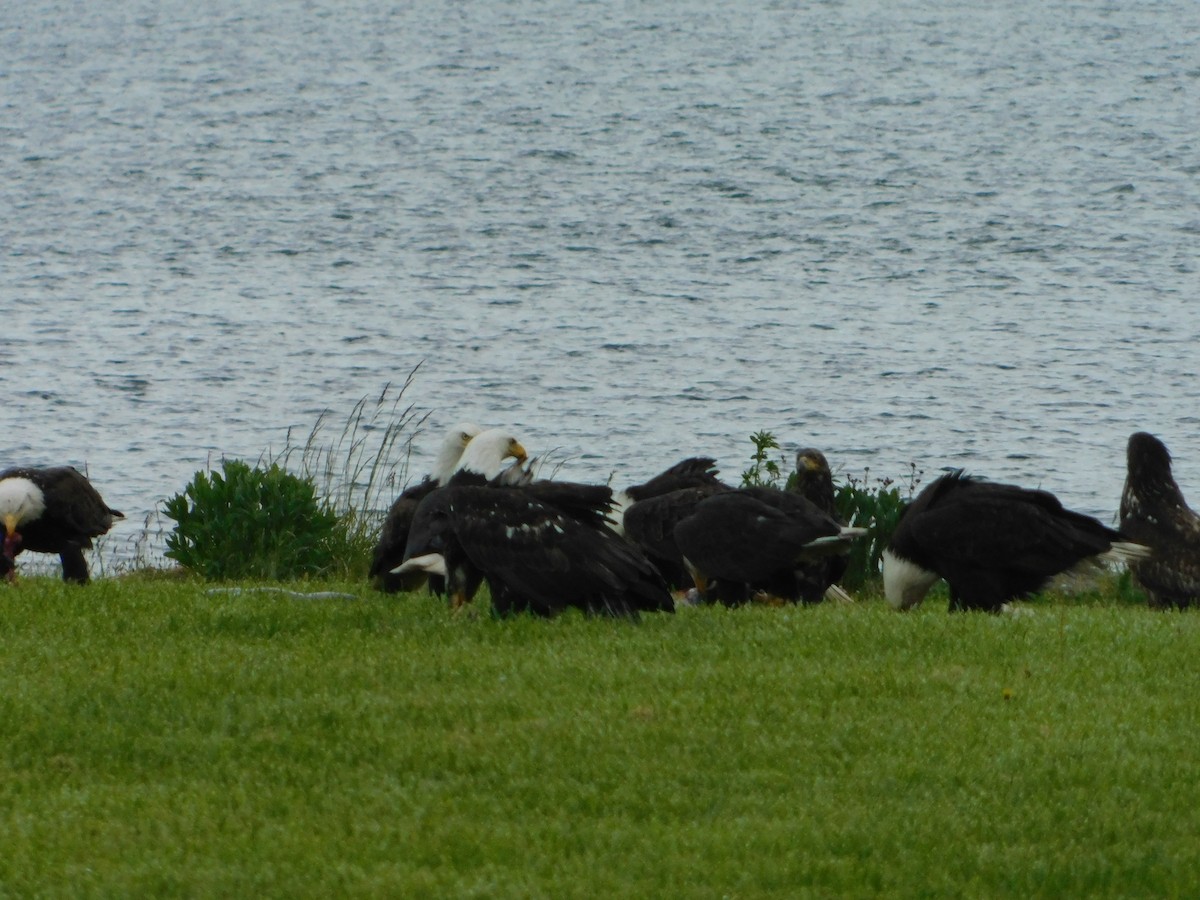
(158, 739)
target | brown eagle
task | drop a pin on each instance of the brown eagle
(1153, 512)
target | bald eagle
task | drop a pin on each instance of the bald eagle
(51, 510)
(647, 513)
(1154, 513)
(483, 463)
(992, 543)
(389, 551)
(696, 471)
(813, 480)
(542, 547)
(649, 525)
(759, 540)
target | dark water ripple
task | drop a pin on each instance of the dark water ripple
(927, 232)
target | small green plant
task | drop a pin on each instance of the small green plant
(764, 471)
(251, 522)
(310, 509)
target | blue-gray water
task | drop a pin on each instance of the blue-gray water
(909, 231)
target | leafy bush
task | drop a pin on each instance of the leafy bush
(877, 508)
(266, 522)
(245, 522)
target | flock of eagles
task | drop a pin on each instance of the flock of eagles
(543, 545)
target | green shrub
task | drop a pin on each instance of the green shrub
(877, 508)
(245, 522)
(313, 508)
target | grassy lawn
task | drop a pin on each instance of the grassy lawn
(156, 739)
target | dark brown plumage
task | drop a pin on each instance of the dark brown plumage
(51, 510)
(1154, 513)
(648, 513)
(542, 546)
(393, 537)
(650, 524)
(389, 550)
(991, 542)
(813, 480)
(759, 540)
(696, 471)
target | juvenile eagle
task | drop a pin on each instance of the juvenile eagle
(1154, 513)
(813, 480)
(992, 543)
(51, 510)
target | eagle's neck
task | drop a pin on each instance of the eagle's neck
(451, 450)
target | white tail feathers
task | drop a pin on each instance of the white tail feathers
(838, 594)
(1126, 552)
(430, 563)
(831, 544)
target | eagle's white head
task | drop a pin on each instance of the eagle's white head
(21, 501)
(486, 452)
(451, 450)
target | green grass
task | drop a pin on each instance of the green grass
(156, 739)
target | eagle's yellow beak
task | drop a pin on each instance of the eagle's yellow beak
(516, 450)
(10, 524)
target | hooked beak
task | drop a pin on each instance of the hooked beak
(12, 545)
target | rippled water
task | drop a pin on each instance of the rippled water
(925, 232)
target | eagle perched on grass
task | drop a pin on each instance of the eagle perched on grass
(760, 540)
(542, 546)
(1153, 512)
(992, 543)
(51, 510)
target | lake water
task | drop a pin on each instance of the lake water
(927, 232)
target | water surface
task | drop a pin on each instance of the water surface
(901, 232)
